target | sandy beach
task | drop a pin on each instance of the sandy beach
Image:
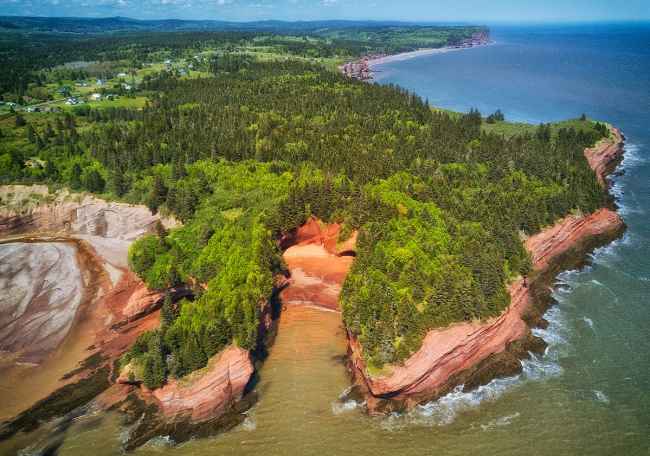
(373, 62)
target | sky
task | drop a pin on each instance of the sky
(484, 11)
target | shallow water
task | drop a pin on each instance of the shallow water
(39, 272)
(589, 394)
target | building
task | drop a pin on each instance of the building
(96, 96)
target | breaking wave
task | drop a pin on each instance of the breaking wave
(445, 410)
(161, 441)
(339, 407)
(249, 424)
(589, 323)
(344, 403)
(601, 397)
(501, 421)
(632, 157)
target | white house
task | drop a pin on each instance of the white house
(96, 96)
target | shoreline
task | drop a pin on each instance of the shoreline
(474, 353)
(364, 68)
(421, 53)
(196, 414)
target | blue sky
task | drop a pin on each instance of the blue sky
(484, 11)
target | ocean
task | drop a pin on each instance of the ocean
(588, 395)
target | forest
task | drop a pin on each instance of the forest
(30, 50)
(250, 152)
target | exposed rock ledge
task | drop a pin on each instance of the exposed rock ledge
(318, 264)
(210, 391)
(115, 308)
(107, 226)
(605, 156)
(473, 353)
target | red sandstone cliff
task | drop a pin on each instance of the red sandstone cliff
(318, 264)
(606, 155)
(208, 393)
(89, 295)
(450, 356)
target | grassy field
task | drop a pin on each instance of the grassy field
(516, 128)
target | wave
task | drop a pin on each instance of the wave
(446, 409)
(626, 201)
(339, 407)
(632, 156)
(161, 441)
(601, 397)
(501, 421)
(344, 403)
(589, 323)
(249, 424)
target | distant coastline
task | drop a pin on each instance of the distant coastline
(364, 68)
(419, 53)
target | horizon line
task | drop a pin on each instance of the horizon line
(390, 21)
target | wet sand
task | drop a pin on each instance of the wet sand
(22, 382)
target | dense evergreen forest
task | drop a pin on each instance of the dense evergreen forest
(252, 151)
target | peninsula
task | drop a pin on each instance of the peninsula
(184, 197)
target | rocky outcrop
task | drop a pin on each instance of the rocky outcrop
(448, 352)
(317, 232)
(108, 227)
(605, 156)
(318, 264)
(472, 353)
(208, 393)
(68, 272)
(45, 282)
(32, 208)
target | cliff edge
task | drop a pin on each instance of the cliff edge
(473, 353)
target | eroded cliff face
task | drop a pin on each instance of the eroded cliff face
(317, 263)
(209, 392)
(473, 353)
(605, 156)
(108, 227)
(64, 265)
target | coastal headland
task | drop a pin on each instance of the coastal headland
(473, 353)
(362, 68)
